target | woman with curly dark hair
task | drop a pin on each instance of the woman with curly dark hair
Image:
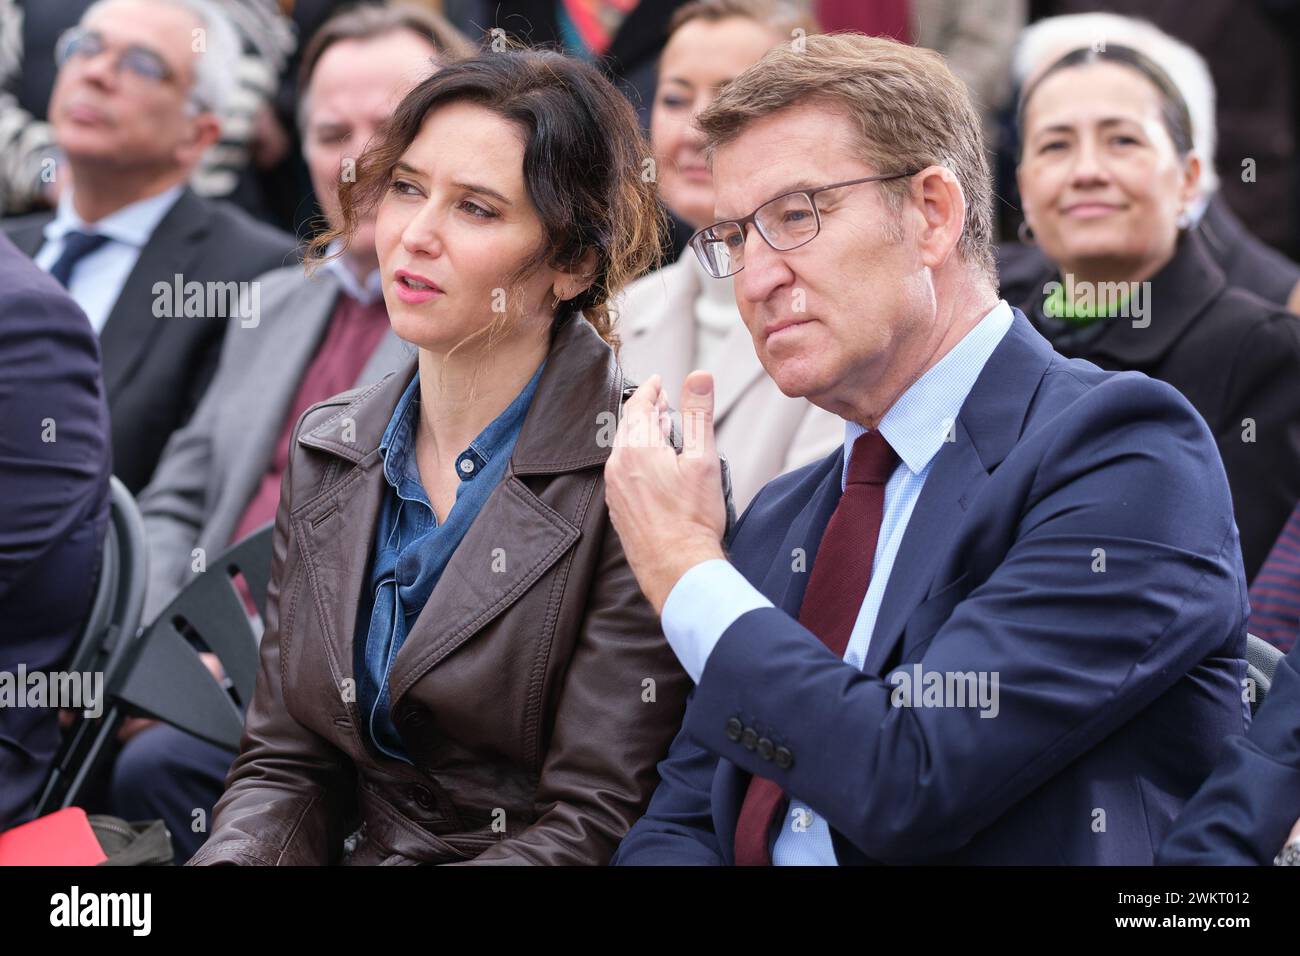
(457, 664)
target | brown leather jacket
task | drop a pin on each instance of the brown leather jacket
(535, 691)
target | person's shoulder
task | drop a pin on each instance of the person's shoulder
(643, 301)
(32, 299)
(1079, 403)
(248, 236)
(26, 223)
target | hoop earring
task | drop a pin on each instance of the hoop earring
(1025, 233)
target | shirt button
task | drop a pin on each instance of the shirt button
(467, 465)
(749, 739)
(734, 728)
(765, 748)
(784, 758)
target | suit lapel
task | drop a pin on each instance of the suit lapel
(665, 334)
(954, 479)
(987, 428)
(737, 371)
(130, 328)
(787, 579)
(257, 415)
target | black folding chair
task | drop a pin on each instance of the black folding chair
(160, 673)
(113, 620)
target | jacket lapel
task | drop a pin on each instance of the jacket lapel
(787, 579)
(336, 527)
(987, 428)
(738, 370)
(664, 334)
(257, 416)
(130, 328)
(517, 537)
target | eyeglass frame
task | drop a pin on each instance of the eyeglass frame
(752, 218)
(77, 31)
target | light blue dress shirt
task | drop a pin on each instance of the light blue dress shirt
(100, 275)
(712, 596)
(412, 548)
(370, 291)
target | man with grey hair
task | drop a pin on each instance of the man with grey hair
(134, 109)
(1247, 262)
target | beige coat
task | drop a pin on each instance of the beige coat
(762, 432)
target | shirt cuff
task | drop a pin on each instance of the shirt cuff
(704, 602)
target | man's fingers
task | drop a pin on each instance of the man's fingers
(697, 416)
(639, 425)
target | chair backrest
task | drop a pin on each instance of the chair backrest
(110, 626)
(120, 587)
(1261, 664)
(160, 673)
(164, 676)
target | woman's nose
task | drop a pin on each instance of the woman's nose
(1089, 166)
(422, 232)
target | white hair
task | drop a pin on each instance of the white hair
(1046, 41)
(217, 51)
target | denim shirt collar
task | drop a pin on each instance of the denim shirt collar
(398, 444)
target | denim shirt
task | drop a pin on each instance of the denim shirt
(412, 549)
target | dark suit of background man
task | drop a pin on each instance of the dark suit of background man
(54, 468)
(1004, 623)
(133, 109)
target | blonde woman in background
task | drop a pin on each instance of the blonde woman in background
(679, 318)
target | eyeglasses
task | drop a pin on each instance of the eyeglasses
(786, 222)
(78, 43)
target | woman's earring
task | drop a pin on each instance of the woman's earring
(1184, 220)
(1025, 233)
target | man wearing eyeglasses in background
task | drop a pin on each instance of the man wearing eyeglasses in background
(1004, 623)
(133, 111)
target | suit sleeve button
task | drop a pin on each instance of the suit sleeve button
(784, 759)
(734, 727)
(765, 748)
(749, 739)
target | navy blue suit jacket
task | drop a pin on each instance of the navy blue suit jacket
(1117, 687)
(1243, 813)
(55, 461)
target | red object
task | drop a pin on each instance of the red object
(877, 18)
(62, 838)
(836, 590)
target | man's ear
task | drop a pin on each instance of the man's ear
(571, 283)
(205, 130)
(943, 208)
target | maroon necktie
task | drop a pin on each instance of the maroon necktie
(836, 590)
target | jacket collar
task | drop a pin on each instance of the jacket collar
(1178, 294)
(667, 333)
(569, 425)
